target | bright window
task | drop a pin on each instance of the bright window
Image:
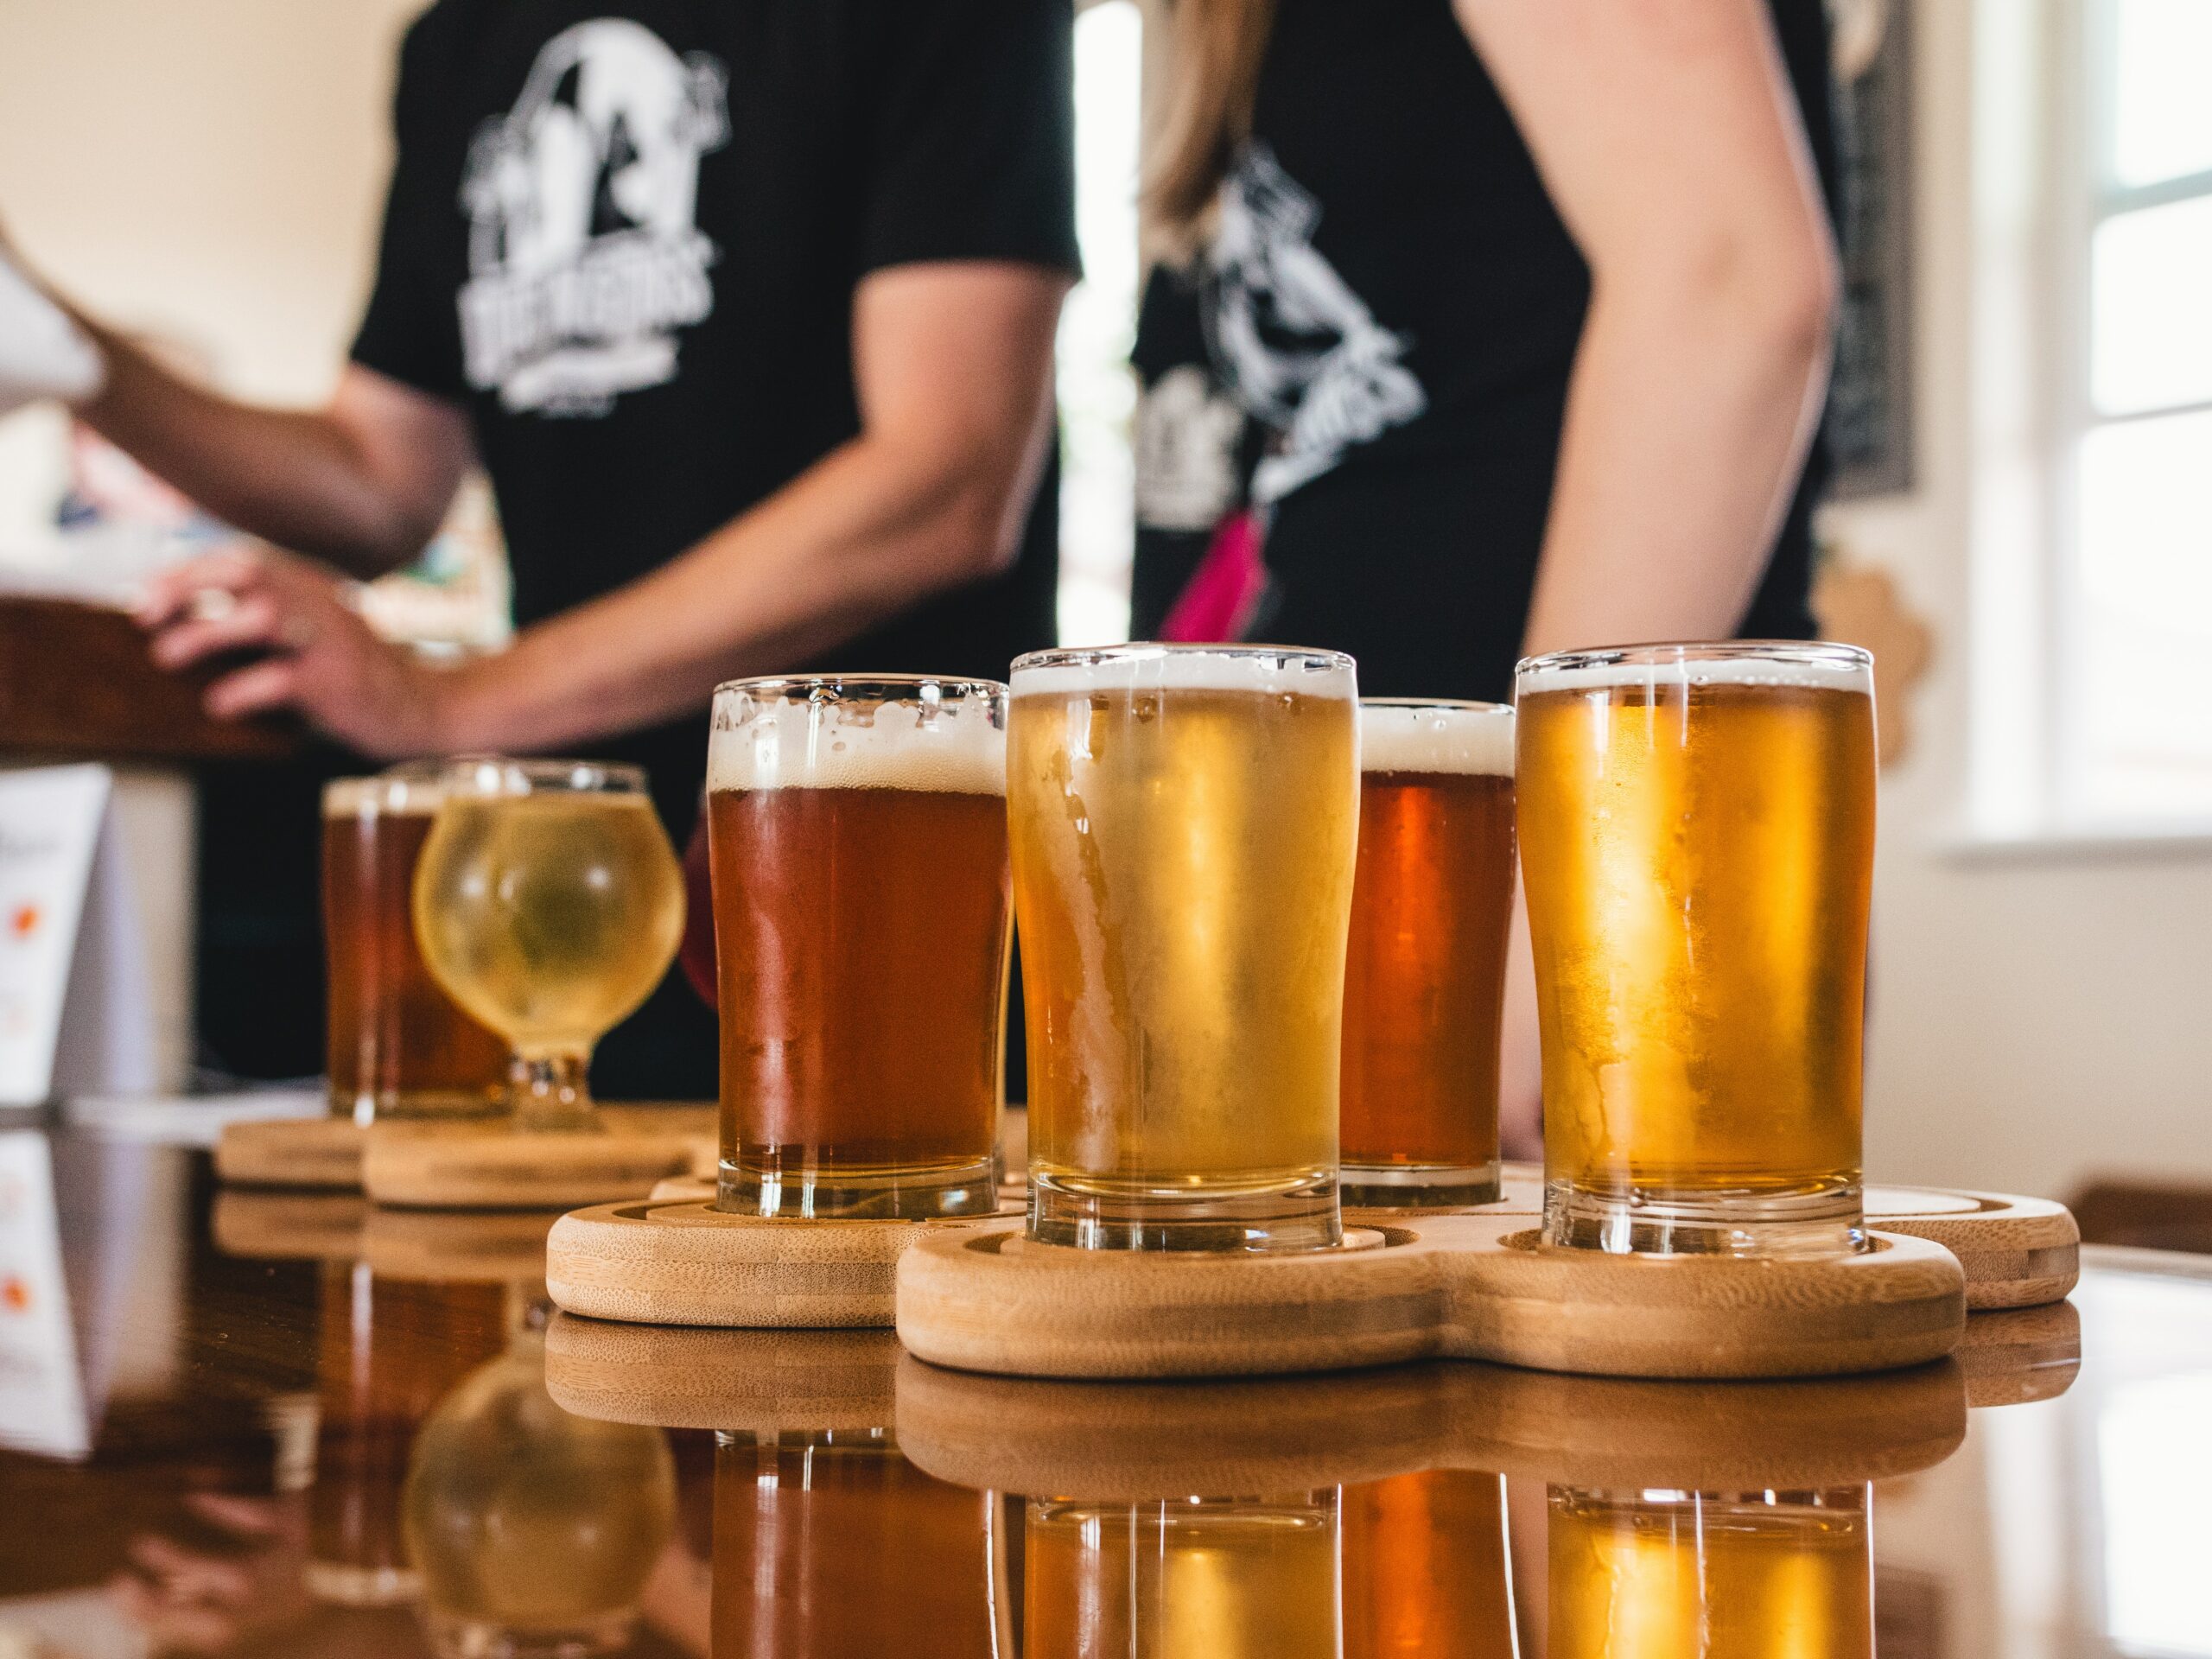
(1097, 394)
(2134, 599)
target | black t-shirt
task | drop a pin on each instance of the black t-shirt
(1392, 297)
(626, 234)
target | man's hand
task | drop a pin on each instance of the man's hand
(316, 654)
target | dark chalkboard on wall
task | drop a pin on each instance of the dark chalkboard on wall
(1870, 403)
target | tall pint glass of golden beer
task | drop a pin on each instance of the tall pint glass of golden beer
(1697, 839)
(1424, 974)
(398, 1046)
(1185, 821)
(857, 833)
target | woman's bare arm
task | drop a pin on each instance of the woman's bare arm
(1665, 133)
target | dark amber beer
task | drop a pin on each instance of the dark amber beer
(857, 837)
(830, 1543)
(1425, 972)
(1425, 1569)
(1667, 1573)
(1697, 838)
(398, 1045)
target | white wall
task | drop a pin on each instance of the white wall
(2038, 1017)
(210, 170)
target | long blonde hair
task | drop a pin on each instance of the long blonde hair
(1214, 52)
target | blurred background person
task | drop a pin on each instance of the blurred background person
(746, 312)
(1497, 329)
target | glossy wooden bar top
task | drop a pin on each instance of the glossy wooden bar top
(322, 1430)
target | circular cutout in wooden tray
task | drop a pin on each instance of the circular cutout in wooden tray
(1465, 1286)
(480, 1166)
(685, 1262)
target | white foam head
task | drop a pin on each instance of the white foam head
(1823, 667)
(925, 741)
(1467, 738)
(417, 789)
(1272, 669)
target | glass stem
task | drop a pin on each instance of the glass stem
(550, 1090)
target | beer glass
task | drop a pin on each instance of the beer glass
(856, 833)
(1425, 971)
(1184, 822)
(548, 903)
(1711, 1572)
(1224, 1578)
(398, 1046)
(1697, 840)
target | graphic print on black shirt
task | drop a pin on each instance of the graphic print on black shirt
(585, 254)
(625, 236)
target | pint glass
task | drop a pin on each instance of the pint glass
(398, 1046)
(1184, 824)
(1697, 839)
(857, 833)
(1425, 974)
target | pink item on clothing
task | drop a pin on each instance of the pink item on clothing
(1216, 606)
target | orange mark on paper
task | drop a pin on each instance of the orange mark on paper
(14, 1294)
(23, 921)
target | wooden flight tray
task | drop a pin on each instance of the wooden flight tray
(1465, 1284)
(481, 1163)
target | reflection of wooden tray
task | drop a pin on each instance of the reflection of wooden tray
(762, 1381)
(2016, 1356)
(436, 1246)
(478, 1166)
(1467, 1285)
(1130, 1442)
(684, 1262)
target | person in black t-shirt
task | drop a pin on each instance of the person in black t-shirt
(1529, 304)
(746, 308)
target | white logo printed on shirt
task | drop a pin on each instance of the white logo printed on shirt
(1186, 452)
(1300, 349)
(584, 252)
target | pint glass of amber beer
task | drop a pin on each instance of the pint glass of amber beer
(398, 1046)
(1697, 839)
(1424, 974)
(857, 833)
(1184, 822)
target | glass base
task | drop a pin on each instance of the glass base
(1298, 1211)
(858, 1194)
(1417, 1186)
(453, 1636)
(1824, 1218)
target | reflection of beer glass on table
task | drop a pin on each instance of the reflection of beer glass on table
(857, 835)
(1185, 821)
(548, 903)
(1425, 974)
(398, 1046)
(1697, 839)
(1183, 1578)
(1673, 1572)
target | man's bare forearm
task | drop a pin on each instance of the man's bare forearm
(298, 477)
(859, 536)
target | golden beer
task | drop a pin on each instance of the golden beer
(534, 1529)
(1425, 971)
(398, 1045)
(857, 837)
(548, 903)
(1711, 1576)
(1697, 839)
(1185, 821)
(1183, 1578)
